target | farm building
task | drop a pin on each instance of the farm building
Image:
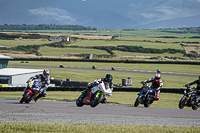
(59, 38)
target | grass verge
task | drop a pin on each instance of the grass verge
(71, 128)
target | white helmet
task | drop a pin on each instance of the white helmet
(157, 76)
(46, 73)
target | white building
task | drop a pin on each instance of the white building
(17, 76)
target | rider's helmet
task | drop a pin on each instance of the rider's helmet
(46, 73)
(157, 76)
(108, 78)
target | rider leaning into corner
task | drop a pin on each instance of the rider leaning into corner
(44, 78)
(197, 88)
(108, 84)
(156, 84)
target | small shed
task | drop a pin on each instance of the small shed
(127, 82)
(4, 61)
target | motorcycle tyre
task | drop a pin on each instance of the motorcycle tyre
(79, 101)
(182, 102)
(147, 103)
(95, 102)
(28, 101)
(22, 100)
(194, 107)
(26, 97)
(137, 101)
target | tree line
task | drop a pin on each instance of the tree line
(4, 36)
(45, 27)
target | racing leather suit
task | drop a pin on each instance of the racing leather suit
(45, 82)
(197, 88)
(156, 86)
(96, 82)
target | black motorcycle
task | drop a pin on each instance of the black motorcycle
(145, 96)
(189, 99)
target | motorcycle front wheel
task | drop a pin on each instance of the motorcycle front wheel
(96, 100)
(22, 100)
(148, 102)
(182, 102)
(79, 101)
(25, 97)
(137, 101)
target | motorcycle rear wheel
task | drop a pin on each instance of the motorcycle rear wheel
(95, 101)
(182, 102)
(79, 101)
(194, 107)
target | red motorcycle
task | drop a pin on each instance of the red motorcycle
(94, 96)
(32, 90)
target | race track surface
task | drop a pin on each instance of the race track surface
(68, 112)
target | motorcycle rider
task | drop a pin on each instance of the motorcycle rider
(107, 81)
(44, 78)
(197, 88)
(156, 84)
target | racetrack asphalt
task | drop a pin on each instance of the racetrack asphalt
(68, 113)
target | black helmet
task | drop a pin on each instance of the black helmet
(108, 77)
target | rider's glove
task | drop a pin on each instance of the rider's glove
(186, 85)
(41, 90)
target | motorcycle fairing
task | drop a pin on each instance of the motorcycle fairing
(88, 98)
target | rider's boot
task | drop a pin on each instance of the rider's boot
(156, 95)
(104, 100)
(39, 96)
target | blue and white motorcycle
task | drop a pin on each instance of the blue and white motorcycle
(146, 96)
(32, 90)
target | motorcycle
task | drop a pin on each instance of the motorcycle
(32, 90)
(189, 99)
(146, 96)
(95, 95)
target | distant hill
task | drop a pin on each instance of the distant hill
(102, 14)
(193, 21)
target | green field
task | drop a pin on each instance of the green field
(135, 33)
(90, 75)
(87, 43)
(14, 43)
(82, 45)
(50, 51)
(160, 39)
